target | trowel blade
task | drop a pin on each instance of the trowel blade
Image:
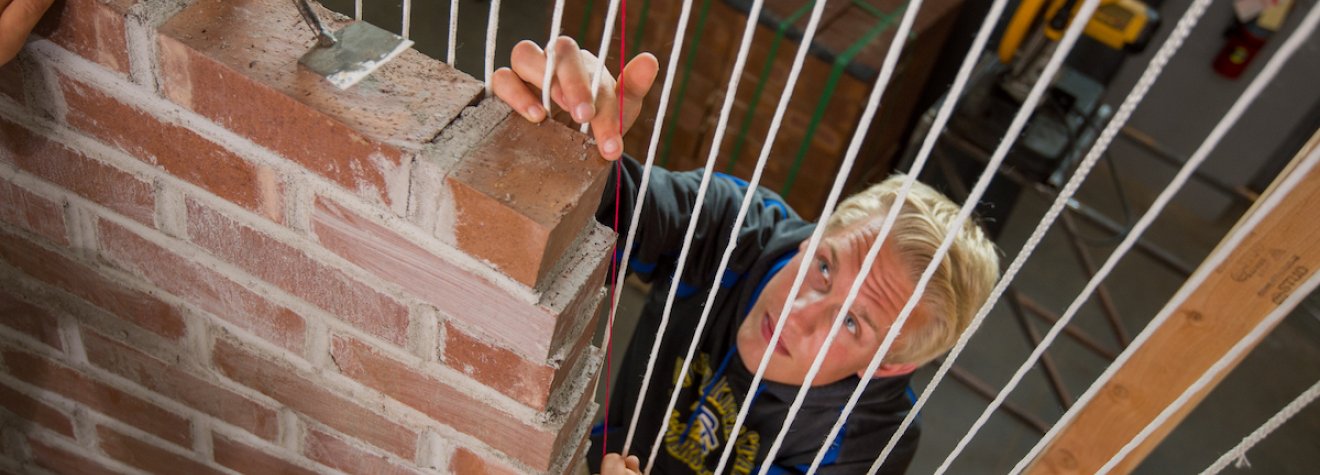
(360, 49)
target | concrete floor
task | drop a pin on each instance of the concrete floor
(1283, 365)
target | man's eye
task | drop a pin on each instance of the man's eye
(851, 323)
(824, 268)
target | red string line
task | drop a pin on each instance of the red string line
(614, 250)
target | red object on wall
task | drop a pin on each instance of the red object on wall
(1240, 47)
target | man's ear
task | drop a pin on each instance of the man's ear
(891, 369)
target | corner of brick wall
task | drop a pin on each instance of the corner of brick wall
(212, 260)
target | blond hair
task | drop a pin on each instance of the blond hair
(961, 283)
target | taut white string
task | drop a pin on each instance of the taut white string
(357, 10)
(453, 32)
(492, 27)
(854, 147)
(684, 13)
(1153, 70)
(1207, 267)
(785, 97)
(734, 78)
(1015, 128)
(1239, 452)
(407, 17)
(1224, 363)
(890, 218)
(606, 34)
(556, 20)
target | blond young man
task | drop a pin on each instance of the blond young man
(751, 295)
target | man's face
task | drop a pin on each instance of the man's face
(833, 269)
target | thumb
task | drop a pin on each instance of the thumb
(637, 78)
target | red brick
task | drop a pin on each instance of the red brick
(134, 306)
(36, 411)
(286, 385)
(31, 212)
(29, 319)
(11, 82)
(173, 148)
(524, 195)
(291, 269)
(530, 443)
(501, 369)
(58, 460)
(148, 457)
(98, 182)
(235, 63)
(452, 289)
(340, 455)
(170, 381)
(244, 458)
(67, 382)
(203, 287)
(467, 462)
(93, 29)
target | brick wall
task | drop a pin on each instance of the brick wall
(213, 262)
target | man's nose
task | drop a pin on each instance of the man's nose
(810, 314)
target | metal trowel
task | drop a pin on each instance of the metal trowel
(347, 56)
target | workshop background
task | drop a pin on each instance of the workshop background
(1184, 104)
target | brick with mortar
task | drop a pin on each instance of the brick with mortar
(29, 319)
(93, 29)
(31, 212)
(524, 195)
(202, 287)
(137, 307)
(293, 388)
(59, 460)
(533, 330)
(148, 457)
(235, 62)
(176, 149)
(526, 381)
(336, 453)
(533, 443)
(171, 381)
(291, 269)
(71, 170)
(70, 383)
(244, 458)
(34, 410)
(466, 461)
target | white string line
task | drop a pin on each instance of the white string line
(732, 91)
(1239, 452)
(684, 14)
(606, 35)
(357, 10)
(854, 148)
(556, 20)
(1224, 363)
(407, 17)
(453, 32)
(492, 27)
(941, 118)
(1153, 70)
(1211, 262)
(1018, 123)
(785, 97)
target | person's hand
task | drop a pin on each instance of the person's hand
(571, 89)
(17, 17)
(615, 464)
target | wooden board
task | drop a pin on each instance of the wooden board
(1279, 254)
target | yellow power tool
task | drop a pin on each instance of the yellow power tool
(1118, 24)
